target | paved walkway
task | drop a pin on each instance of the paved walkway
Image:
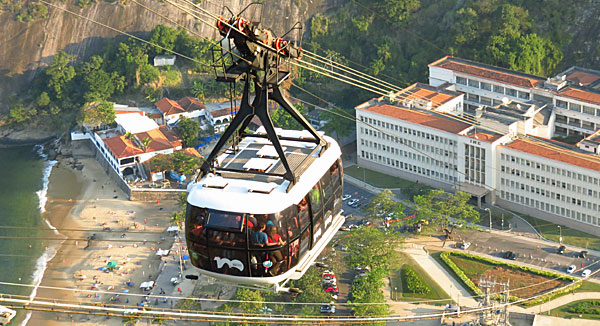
(457, 291)
(563, 300)
(541, 320)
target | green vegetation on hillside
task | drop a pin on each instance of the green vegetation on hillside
(71, 90)
(396, 39)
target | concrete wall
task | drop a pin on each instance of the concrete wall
(552, 218)
(154, 194)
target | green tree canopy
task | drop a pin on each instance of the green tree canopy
(440, 206)
(185, 164)
(99, 113)
(282, 119)
(188, 130)
(59, 75)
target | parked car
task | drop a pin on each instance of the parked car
(327, 309)
(586, 273)
(456, 225)
(352, 202)
(356, 203)
(571, 269)
(583, 254)
(344, 228)
(561, 249)
(464, 245)
(346, 197)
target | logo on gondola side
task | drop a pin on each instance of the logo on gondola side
(230, 263)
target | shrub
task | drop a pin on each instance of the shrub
(461, 275)
(412, 281)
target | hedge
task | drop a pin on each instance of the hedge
(460, 273)
(585, 307)
(523, 268)
(412, 281)
(550, 295)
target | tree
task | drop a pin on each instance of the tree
(99, 113)
(282, 119)
(198, 90)
(59, 73)
(145, 143)
(19, 114)
(372, 247)
(188, 131)
(384, 203)
(99, 85)
(336, 124)
(161, 163)
(310, 284)
(439, 206)
(185, 164)
(163, 36)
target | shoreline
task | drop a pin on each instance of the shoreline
(85, 202)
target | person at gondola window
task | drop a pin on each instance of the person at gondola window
(259, 237)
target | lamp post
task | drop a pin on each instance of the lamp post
(489, 211)
(560, 234)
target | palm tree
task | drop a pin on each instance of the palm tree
(145, 143)
(129, 136)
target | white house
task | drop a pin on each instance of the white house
(164, 60)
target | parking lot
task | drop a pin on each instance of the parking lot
(528, 252)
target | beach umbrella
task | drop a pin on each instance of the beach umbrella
(185, 257)
(112, 264)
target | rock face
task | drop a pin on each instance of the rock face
(26, 47)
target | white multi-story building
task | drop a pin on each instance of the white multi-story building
(423, 145)
(575, 93)
(550, 180)
(532, 175)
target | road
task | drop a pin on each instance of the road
(534, 252)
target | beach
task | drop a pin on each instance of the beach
(85, 203)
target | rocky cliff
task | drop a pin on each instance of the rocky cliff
(28, 46)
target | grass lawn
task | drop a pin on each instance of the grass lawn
(564, 312)
(520, 281)
(400, 293)
(570, 236)
(381, 180)
(588, 286)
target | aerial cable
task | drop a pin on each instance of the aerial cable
(365, 84)
(327, 61)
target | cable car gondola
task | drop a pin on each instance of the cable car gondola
(251, 229)
(265, 204)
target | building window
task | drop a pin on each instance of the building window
(486, 100)
(461, 80)
(498, 89)
(473, 83)
(511, 92)
(588, 110)
(524, 95)
(561, 104)
(575, 107)
(473, 97)
(486, 86)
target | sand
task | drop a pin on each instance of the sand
(100, 205)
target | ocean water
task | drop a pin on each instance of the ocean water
(24, 173)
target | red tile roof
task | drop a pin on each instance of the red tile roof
(129, 112)
(168, 106)
(190, 104)
(584, 78)
(425, 119)
(122, 147)
(554, 153)
(581, 95)
(421, 92)
(488, 72)
(192, 152)
(223, 112)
